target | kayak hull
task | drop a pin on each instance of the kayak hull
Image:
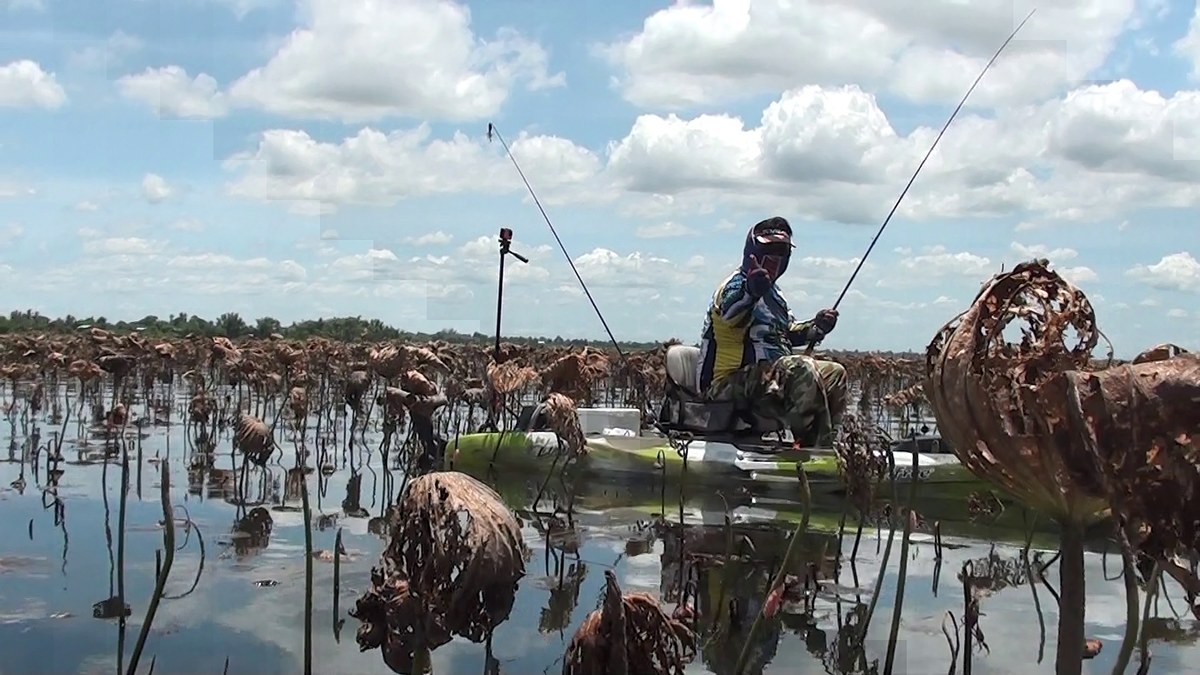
(709, 462)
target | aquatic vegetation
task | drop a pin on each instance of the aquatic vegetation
(862, 462)
(1001, 404)
(451, 568)
(1141, 423)
(1068, 436)
(253, 439)
(227, 378)
(564, 421)
(629, 634)
(262, 417)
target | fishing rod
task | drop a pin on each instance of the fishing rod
(845, 289)
(492, 131)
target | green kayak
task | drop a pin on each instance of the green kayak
(707, 461)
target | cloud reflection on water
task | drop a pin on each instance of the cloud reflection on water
(260, 629)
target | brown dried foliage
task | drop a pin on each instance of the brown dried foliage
(1065, 434)
(355, 388)
(510, 376)
(1159, 353)
(563, 420)
(575, 374)
(298, 402)
(269, 368)
(629, 635)
(414, 382)
(1141, 422)
(862, 460)
(253, 438)
(1001, 405)
(905, 397)
(391, 360)
(451, 568)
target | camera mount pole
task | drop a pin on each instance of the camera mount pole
(506, 235)
(505, 242)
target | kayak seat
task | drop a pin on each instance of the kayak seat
(686, 408)
(532, 418)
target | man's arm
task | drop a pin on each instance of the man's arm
(801, 333)
(735, 302)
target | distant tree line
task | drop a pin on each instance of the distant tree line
(343, 328)
(232, 325)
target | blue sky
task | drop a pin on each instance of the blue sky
(311, 158)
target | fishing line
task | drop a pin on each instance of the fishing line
(493, 131)
(926, 158)
(858, 268)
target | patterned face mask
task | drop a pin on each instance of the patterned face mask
(768, 246)
(773, 264)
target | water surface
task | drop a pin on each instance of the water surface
(246, 612)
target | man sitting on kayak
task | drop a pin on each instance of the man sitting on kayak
(746, 347)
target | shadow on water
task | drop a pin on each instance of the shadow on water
(84, 544)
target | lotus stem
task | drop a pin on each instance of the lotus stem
(1143, 638)
(1037, 604)
(902, 575)
(308, 570)
(337, 583)
(883, 563)
(121, 617)
(160, 582)
(970, 615)
(1132, 615)
(1072, 599)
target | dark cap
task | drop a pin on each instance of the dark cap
(775, 230)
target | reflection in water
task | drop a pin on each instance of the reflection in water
(83, 511)
(729, 571)
(251, 533)
(563, 584)
(352, 502)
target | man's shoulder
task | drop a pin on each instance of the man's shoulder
(735, 281)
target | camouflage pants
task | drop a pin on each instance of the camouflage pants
(808, 395)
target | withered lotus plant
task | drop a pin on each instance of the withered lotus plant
(1004, 407)
(451, 568)
(629, 634)
(563, 420)
(576, 374)
(1141, 421)
(1069, 437)
(509, 376)
(862, 462)
(253, 438)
